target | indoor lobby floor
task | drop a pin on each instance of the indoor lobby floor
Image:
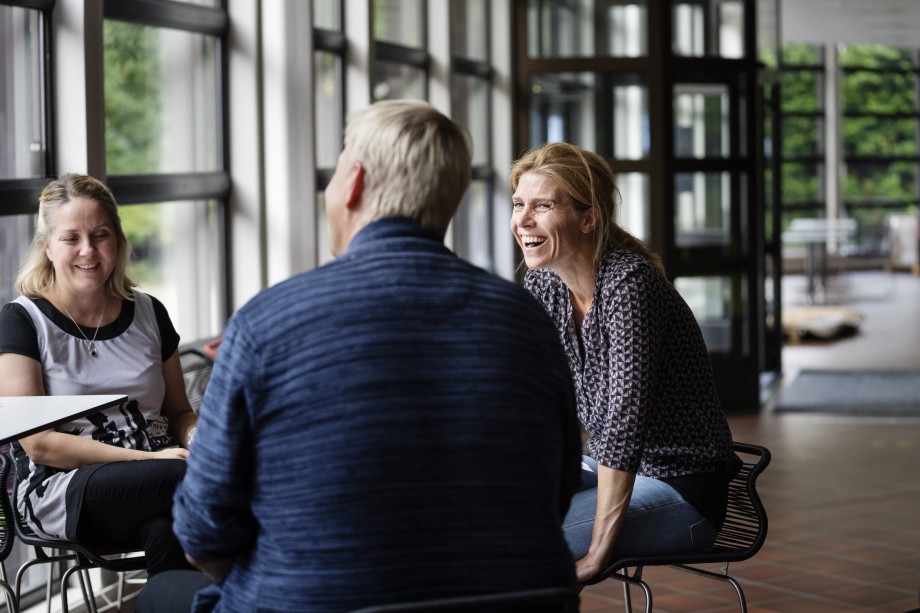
(842, 493)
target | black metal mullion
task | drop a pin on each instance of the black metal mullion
(169, 14)
(141, 189)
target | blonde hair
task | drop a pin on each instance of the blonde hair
(590, 183)
(417, 162)
(36, 275)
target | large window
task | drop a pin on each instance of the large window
(872, 136)
(471, 102)
(329, 104)
(24, 154)
(164, 153)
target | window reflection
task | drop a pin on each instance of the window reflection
(22, 145)
(394, 81)
(721, 20)
(562, 109)
(577, 28)
(635, 204)
(160, 100)
(470, 107)
(399, 22)
(176, 247)
(15, 236)
(327, 14)
(716, 302)
(631, 139)
(473, 226)
(702, 208)
(469, 29)
(327, 107)
(701, 121)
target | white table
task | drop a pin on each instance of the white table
(815, 234)
(21, 416)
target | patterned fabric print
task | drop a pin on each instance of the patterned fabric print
(642, 372)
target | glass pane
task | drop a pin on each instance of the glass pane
(634, 212)
(22, 145)
(161, 100)
(701, 121)
(877, 57)
(469, 29)
(802, 90)
(875, 91)
(631, 140)
(323, 239)
(802, 54)
(715, 301)
(803, 135)
(15, 237)
(883, 182)
(702, 208)
(768, 32)
(395, 81)
(328, 108)
(627, 29)
(879, 136)
(470, 107)
(399, 22)
(176, 260)
(690, 29)
(731, 29)
(473, 227)
(560, 29)
(327, 14)
(562, 109)
(802, 183)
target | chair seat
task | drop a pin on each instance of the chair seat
(740, 538)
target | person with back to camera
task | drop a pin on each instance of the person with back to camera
(661, 457)
(78, 328)
(395, 425)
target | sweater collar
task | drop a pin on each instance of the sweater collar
(391, 230)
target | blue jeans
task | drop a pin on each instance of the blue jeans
(659, 521)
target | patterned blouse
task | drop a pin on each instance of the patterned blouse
(642, 372)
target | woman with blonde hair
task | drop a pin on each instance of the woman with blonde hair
(656, 481)
(79, 327)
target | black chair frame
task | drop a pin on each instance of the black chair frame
(741, 537)
(6, 538)
(116, 560)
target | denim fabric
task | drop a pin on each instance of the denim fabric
(659, 520)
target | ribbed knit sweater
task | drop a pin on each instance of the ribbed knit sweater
(397, 424)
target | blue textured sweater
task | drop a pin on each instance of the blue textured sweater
(394, 425)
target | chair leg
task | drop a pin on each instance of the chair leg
(86, 587)
(8, 592)
(720, 577)
(634, 579)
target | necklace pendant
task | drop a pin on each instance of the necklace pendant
(92, 348)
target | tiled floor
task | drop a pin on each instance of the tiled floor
(842, 494)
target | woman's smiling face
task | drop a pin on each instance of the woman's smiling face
(550, 232)
(81, 246)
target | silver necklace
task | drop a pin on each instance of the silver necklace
(92, 343)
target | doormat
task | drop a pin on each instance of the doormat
(853, 392)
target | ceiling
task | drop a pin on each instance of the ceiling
(889, 22)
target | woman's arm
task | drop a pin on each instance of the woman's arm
(176, 407)
(23, 377)
(614, 490)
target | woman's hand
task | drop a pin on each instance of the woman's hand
(587, 568)
(170, 453)
(614, 490)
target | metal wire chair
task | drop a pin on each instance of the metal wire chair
(741, 536)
